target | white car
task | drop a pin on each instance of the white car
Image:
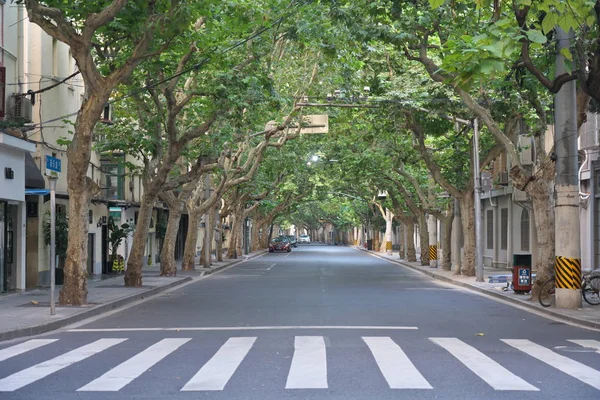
(304, 239)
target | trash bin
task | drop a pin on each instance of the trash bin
(521, 273)
(370, 244)
(59, 276)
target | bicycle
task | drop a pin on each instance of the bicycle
(590, 290)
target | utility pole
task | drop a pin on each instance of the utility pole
(567, 265)
(477, 195)
(52, 182)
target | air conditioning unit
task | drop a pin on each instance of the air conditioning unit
(519, 195)
(503, 178)
(20, 108)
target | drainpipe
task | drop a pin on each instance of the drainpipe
(21, 48)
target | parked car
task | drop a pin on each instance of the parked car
(304, 239)
(292, 240)
(280, 243)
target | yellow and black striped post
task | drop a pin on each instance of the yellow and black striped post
(568, 272)
(433, 252)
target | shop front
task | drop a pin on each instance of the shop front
(12, 211)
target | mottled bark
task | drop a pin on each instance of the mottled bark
(467, 212)
(168, 266)
(191, 240)
(133, 274)
(254, 236)
(447, 241)
(410, 233)
(80, 189)
(231, 248)
(423, 238)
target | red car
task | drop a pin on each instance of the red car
(280, 244)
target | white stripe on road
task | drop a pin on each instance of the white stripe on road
(125, 373)
(570, 367)
(245, 328)
(398, 370)
(42, 370)
(487, 369)
(215, 374)
(309, 364)
(271, 266)
(593, 344)
(21, 348)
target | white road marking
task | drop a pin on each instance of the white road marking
(271, 266)
(570, 367)
(396, 367)
(593, 344)
(24, 347)
(487, 369)
(309, 364)
(42, 370)
(123, 374)
(215, 374)
(245, 328)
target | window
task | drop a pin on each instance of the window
(525, 230)
(90, 216)
(115, 181)
(503, 228)
(490, 228)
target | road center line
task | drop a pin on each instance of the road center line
(245, 328)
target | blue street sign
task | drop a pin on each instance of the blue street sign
(52, 165)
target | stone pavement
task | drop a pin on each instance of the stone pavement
(28, 313)
(587, 315)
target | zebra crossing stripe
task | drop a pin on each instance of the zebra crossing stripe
(593, 344)
(123, 374)
(396, 367)
(215, 374)
(570, 367)
(42, 370)
(309, 364)
(24, 347)
(487, 369)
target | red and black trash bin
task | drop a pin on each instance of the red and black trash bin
(521, 273)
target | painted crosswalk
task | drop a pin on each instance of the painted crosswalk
(307, 363)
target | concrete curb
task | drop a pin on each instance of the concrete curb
(91, 312)
(526, 304)
(105, 307)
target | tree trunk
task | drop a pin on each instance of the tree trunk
(467, 212)
(168, 266)
(239, 244)
(423, 238)
(133, 274)
(231, 248)
(410, 233)
(74, 291)
(254, 245)
(191, 239)
(80, 189)
(544, 225)
(219, 247)
(447, 242)
(266, 233)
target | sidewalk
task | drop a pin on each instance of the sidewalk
(28, 313)
(587, 315)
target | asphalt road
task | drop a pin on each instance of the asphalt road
(322, 322)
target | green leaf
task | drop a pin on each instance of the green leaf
(549, 22)
(566, 53)
(436, 3)
(536, 36)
